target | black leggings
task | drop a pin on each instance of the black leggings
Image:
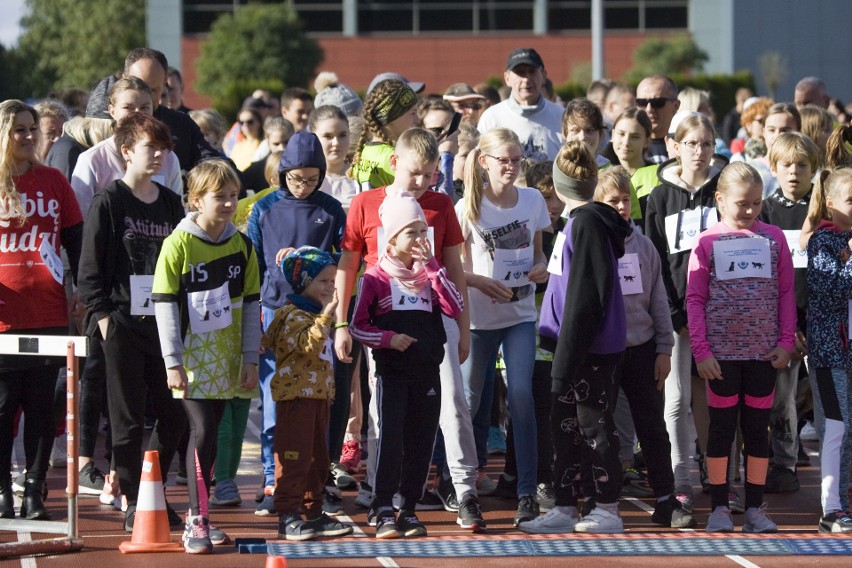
(582, 425)
(204, 416)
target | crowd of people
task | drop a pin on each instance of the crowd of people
(420, 280)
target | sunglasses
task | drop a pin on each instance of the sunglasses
(658, 102)
(249, 122)
(470, 106)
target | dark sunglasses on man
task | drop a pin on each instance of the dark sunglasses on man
(658, 102)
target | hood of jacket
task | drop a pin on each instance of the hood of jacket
(303, 151)
(188, 225)
(618, 228)
(669, 172)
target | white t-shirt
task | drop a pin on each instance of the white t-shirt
(539, 129)
(502, 247)
(341, 188)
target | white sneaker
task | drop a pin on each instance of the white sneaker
(111, 494)
(808, 433)
(600, 521)
(365, 495)
(554, 522)
(59, 453)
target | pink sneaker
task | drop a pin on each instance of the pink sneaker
(350, 456)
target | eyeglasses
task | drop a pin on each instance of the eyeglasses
(302, 182)
(658, 102)
(506, 162)
(470, 106)
(248, 122)
(436, 130)
(695, 146)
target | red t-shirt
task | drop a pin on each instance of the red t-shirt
(30, 297)
(363, 222)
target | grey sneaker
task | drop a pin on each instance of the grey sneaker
(326, 526)
(217, 536)
(720, 520)
(91, 480)
(196, 536)
(757, 521)
(365, 495)
(226, 494)
(266, 507)
(735, 502)
(292, 527)
(342, 478)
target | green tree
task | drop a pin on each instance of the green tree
(257, 46)
(669, 56)
(74, 43)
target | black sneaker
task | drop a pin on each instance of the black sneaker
(91, 480)
(430, 502)
(331, 504)
(781, 480)
(292, 527)
(326, 526)
(447, 493)
(506, 489)
(129, 517)
(802, 459)
(470, 515)
(174, 519)
(670, 513)
(589, 504)
(409, 525)
(527, 509)
(837, 522)
(386, 525)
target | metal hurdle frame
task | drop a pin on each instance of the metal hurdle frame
(51, 345)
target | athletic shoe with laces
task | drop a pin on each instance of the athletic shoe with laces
(110, 492)
(836, 522)
(669, 513)
(470, 515)
(91, 480)
(342, 478)
(350, 456)
(217, 536)
(196, 536)
(365, 495)
(386, 525)
(293, 527)
(430, 501)
(720, 520)
(226, 494)
(735, 502)
(129, 518)
(781, 480)
(757, 521)
(447, 492)
(331, 504)
(266, 507)
(371, 517)
(527, 509)
(546, 497)
(485, 485)
(686, 499)
(635, 483)
(600, 521)
(326, 526)
(506, 488)
(553, 522)
(409, 525)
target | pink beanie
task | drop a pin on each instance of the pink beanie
(399, 211)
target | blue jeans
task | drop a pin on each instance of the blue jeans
(265, 372)
(518, 343)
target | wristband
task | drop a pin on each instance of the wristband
(341, 324)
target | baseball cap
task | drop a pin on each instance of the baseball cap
(524, 55)
(461, 92)
(255, 103)
(415, 86)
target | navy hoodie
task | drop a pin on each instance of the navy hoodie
(282, 220)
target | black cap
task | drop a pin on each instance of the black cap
(524, 55)
(255, 103)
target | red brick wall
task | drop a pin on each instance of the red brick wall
(441, 61)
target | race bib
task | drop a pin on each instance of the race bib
(210, 310)
(140, 295)
(800, 256)
(682, 229)
(51, 260)
(554, 264)
(405, 301)
(511, 266)
(742, 258)
(630, 274)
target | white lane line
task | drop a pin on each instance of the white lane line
(387, 562)
(741, 561)
(26, 561)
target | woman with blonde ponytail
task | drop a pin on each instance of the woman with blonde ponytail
(503, 260)
(38, 215)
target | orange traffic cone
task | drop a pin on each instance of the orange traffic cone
(151, 526)
(276, 562)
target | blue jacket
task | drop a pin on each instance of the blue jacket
(282, 220)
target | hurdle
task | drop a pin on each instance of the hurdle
(51, 345)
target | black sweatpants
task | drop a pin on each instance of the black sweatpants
(92, 389)
(203, 416)
(409, 407)
(581, 423)
(135, 372)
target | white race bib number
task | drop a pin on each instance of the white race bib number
(800, 256)
(682, 229)
(210, 310)
(512, 266)
(554, 264)
(630, 274)
(51, 260)
(140, 295)
(742, 258)
(405, 301)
